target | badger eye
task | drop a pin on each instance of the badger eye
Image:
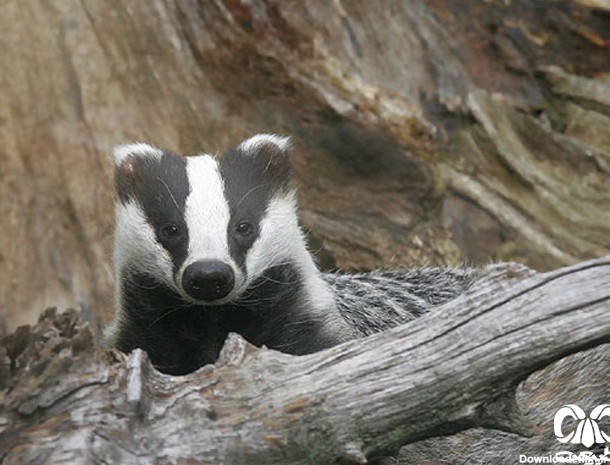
(244, 229)
(169, 231)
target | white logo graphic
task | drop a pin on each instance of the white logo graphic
(587, 432)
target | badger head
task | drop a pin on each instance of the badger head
(205, 226)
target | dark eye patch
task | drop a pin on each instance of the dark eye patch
(250, 181)
(160, 186)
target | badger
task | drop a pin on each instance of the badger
(206, 245)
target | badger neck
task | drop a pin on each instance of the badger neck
(288, 308)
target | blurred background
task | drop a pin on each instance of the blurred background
(429, 132)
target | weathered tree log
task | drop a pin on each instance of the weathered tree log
(455, 368)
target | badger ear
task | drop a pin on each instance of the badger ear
(126, 160)
(272, 153)
(259, 141)
(126, 157)
(123, 153)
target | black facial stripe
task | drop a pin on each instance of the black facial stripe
(247, 192)
(250, 181)
(161, 187)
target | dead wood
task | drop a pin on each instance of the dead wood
(458, 367)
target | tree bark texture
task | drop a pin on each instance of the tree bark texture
(430, 131)
(457, 367)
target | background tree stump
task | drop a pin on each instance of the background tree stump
(431, 131)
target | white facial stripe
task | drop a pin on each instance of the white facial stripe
(207, 212)
(136, 244)
(281, 240)
(279, 234)
(253, 143)
(121, 152)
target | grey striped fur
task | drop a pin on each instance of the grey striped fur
(379, 300)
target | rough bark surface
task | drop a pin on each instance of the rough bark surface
(431, 131)
(458, 367)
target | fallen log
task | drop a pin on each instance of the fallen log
(67, 401)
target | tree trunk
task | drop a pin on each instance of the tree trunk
(457, 367)
(432, 131)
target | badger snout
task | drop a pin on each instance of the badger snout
(208, 280)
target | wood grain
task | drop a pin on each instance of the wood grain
(455, 368)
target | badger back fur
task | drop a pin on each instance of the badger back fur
(209, 245)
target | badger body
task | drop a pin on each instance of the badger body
(209, 245)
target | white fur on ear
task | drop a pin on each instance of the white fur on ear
(260, 140)
(122, 152)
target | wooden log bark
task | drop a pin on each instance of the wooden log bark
(457, 367)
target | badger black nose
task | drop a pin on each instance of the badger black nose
(208, 280)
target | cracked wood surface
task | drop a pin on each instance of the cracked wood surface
(455, 368)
